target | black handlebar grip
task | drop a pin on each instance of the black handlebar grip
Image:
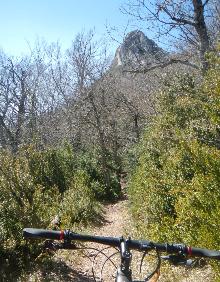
(204, 253)
(42, 233)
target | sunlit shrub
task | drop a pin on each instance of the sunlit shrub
(174, 190)
(89, 163)
(35, 187)
(52, 167)
(78, 204)
(22, 202)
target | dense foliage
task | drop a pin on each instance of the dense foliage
(36, 186)
(174, 190)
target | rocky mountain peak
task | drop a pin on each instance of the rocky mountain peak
(137, 48)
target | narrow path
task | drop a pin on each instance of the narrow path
(76, 266)
(115, 219)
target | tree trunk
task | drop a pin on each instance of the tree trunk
(104, 152)
(21, 114)
(136, 127)
(202, 32)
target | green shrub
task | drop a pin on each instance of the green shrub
(52, 167)
(22, 202)
(78, 204)
(174, 190)
(35, 186)
(89, 163)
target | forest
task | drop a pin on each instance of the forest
(75, 123)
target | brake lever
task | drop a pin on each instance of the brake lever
(179, 260)
(50, 245)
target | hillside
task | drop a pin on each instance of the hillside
(74, 125)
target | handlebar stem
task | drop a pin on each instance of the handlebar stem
(126, 257)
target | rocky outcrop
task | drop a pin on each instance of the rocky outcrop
(137, 48)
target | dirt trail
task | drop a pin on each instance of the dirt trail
(115, 220)
(75, 266)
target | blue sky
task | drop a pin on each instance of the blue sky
(23, 21)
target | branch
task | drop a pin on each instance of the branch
(178, 20)
(186, 36)
(7, 130)
(205, 3)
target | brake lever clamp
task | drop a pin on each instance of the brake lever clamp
(52, 246)
(179, 259)
(68, 245)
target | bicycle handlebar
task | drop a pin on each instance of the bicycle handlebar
(42, 233)
(116, 242)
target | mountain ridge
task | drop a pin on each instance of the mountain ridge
(137, 49)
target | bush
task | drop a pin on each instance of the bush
(52, 167)
(35, 187)
(22, 202)
(78, 203)
(174, 190)
(88, 162)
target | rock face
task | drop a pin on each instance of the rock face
(137, 48)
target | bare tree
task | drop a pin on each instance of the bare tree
(88, 59)
(182, 22)
(14, 95)
(214, 22)
(20, 100)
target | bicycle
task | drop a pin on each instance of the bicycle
(179, 254)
